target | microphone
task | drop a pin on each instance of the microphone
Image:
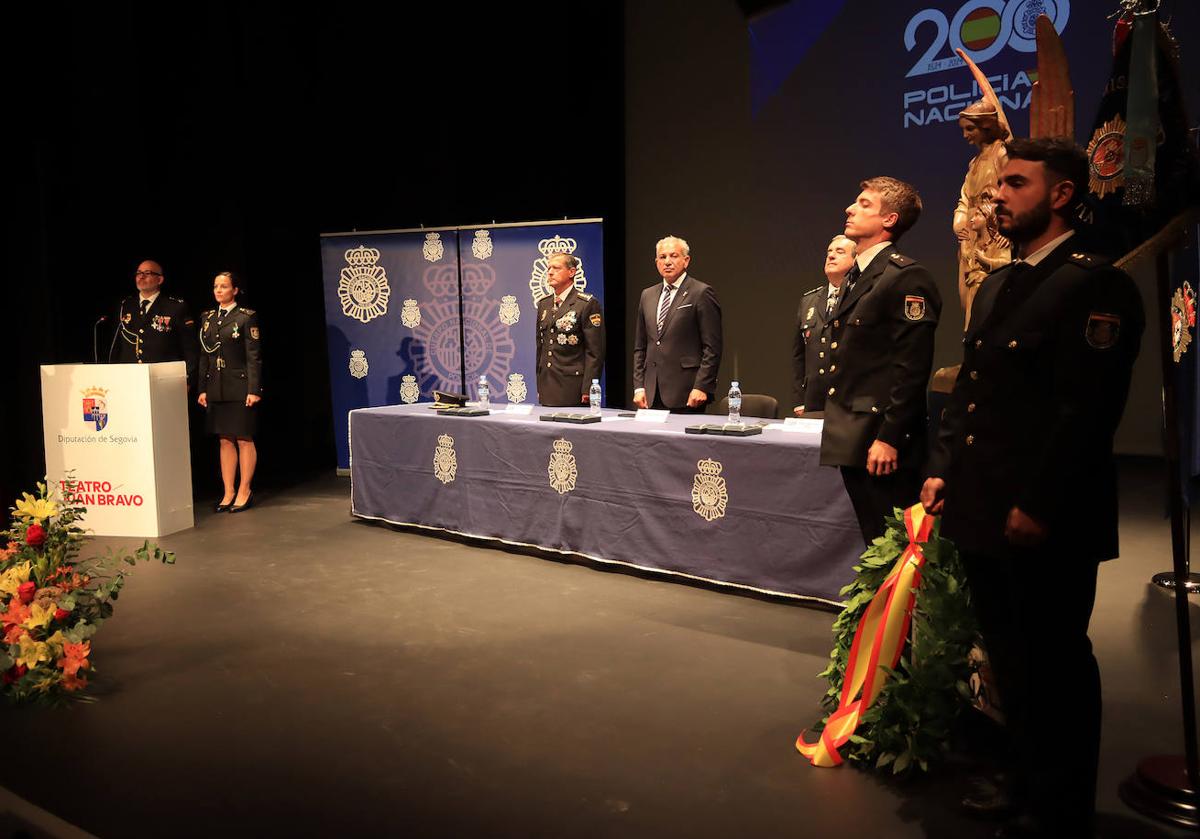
(95, 338)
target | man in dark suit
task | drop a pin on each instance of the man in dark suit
(570, 337)
(1023, 470)
(810, 348)
(677, 343)
(880, 356)
(153, 327)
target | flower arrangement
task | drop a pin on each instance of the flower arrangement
(51, 601)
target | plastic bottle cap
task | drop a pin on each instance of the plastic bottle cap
(734, 384)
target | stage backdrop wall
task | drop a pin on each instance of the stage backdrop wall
(411, 311)
(749, 139)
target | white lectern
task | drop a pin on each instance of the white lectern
(123, 430)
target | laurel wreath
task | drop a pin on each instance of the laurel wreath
(910, 725)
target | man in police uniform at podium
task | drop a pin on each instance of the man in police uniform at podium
(810, 349)
(153, 327)
(570, 337)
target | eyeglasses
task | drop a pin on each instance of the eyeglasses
(142, 274)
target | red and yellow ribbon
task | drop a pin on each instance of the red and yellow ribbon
(878, 643)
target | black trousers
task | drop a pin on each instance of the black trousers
(1034, 626)
(874, 498)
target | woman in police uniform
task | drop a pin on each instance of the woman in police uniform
(230, 383)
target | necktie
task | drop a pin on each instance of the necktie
(852, 276)
(663, 305)
(220, 316)
(145, 307)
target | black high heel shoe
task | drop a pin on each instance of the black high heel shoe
(238, 508)
(222, 508)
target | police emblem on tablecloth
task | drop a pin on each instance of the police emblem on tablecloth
(1183, 318)
(1102, 330)
(1106, 158)
(445, 462)
(433, 249)
(481, 247)
(95, 407)
(516, 389)
(914, 307)
(709, 496)
(410, 391)
(363, 285)
(410, 315)
(358, 364)
(562, 469)
(510, 312)
(539, 285)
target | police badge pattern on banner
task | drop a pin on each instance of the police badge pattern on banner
(411, 311)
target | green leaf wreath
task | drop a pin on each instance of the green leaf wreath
(910, 724)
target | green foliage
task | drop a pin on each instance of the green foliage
(909, 725)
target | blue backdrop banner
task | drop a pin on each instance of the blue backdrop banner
(411, 311)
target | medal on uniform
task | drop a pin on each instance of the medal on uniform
(235, 330)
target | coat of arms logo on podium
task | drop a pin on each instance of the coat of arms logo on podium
(363, 286)
(410, 391)
(445, 462)
(516, 390)
(410, 314)
(433, 249)
(358, 364)
(709, 495)
(481, 247)
(510, 312)
(95, 407)
(539, 285)
(562, 469)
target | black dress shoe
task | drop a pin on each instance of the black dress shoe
(238, 508)
(988, 800)
(222, 508)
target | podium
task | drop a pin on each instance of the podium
(122, 429)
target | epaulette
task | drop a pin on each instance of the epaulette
(1087, 260)
(247, 311)
(812, 291)
(902, 260)
(207, 313)
(176, 299)
(583, 295)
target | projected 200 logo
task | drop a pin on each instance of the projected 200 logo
(980, 28)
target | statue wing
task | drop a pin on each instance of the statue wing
(1052, 103)
(985, 88)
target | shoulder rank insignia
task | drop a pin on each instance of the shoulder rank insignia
(584, 296)
(812, 291)
(208, 313)
(1102, 330)
(594, 320)
(901, 260)
(1085, 259)
(248, 311)
(914, 306)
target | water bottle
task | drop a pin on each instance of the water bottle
(484, 400)
(735, 403)
(595, 397)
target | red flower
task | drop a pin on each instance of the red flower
(35, 536)
(25, 592)
(61, 614)
(15, 672)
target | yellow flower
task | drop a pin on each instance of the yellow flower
(39, 616)
(11, 579)
(40, 509)
(32, 652)
(56, 642)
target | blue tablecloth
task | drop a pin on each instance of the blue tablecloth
(754, 512)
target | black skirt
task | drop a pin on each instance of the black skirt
(231, 419)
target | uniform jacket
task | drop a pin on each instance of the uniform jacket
(570, 348)
(1047, 361)
(810, 350)
(230, 363)
(880, 357)
(166, 333)
(688, 353)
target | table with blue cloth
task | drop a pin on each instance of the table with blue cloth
(751, 512)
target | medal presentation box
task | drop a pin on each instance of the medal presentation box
(122, 429)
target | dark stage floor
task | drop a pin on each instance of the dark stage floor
(299, 673)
